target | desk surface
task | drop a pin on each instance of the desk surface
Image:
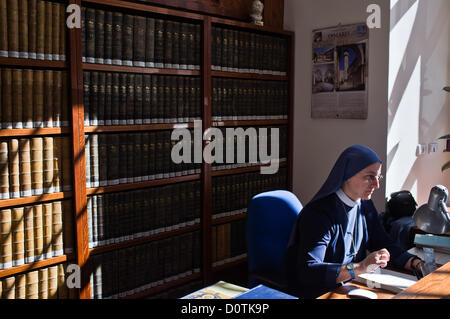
(436, 285)
(341, 292)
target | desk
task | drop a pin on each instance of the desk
(436, 285)
(341, 292)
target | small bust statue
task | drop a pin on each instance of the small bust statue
(256, 12)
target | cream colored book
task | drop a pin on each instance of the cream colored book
(18, 243)
(387, 279)
(47, 226)
(43, 283)
(63, 292)
(37, 179)
(20, 286)
(38, 224)
(25, 167)
(5, 239)
(8, 287)
(32, 285)
(53, 282)
(14, 168)
(48, 165)
(57, 229)
(29, 234)
(4, 170)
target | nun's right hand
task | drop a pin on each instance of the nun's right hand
(374, 260)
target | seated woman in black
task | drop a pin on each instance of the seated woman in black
(337, 228)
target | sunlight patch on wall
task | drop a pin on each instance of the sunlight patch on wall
(405, 132)
(398, 42)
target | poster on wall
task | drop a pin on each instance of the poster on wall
(339, 72)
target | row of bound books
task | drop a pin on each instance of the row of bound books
(132, 158)
(128, 271)
(34, 166)
(232, 193)
(239, 99)
(229, 242)
(118, 217)
(44, 283)
(36, 232)
(249, 150)
(128, 98)
(123, 39)
(248, 52)
(33, 98)
(32, 29)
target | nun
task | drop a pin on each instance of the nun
(338, 235)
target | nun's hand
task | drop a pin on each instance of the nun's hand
(375, 260)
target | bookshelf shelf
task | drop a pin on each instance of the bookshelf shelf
(229, 264)
(228, 219)
(142, 240)
(133, 69)
(135, 128)
(240, 170)
(250, 123)
(165, 286)
(35, 131)
(34, 199)
(131, 186)
(252, 76)
(145, 8)
(35, 265)
(48, 64)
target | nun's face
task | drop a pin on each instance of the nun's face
(363, 184)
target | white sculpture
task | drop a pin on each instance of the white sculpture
(256, 12)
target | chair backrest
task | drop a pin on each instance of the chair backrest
(270, 219)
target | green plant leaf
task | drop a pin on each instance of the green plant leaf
(447, 88)
(446, 166)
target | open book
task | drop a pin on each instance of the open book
(387, 279)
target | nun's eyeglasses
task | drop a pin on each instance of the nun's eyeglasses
(373, 178)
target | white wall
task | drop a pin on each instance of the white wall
(419, 110)
(318, 142)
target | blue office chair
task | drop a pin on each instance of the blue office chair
(270, 219)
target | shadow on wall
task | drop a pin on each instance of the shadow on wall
(427, 50)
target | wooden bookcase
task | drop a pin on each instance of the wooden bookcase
(206, 175)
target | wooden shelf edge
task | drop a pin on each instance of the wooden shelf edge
(135, 69)
(249, 123)
(146, 8)
(253, 76)
(34, 199)
(33, 63)
(228, 219)
(229, 264)
(240, 170)
(35, 265)
(142, 240)
(38, 131)
(138, 185)
(143, 127)
(165, 286)
(247, 25)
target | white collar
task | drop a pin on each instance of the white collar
(345, 199)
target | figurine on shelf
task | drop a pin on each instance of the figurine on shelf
(256, 12)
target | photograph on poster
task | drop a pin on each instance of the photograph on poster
(339, 72)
